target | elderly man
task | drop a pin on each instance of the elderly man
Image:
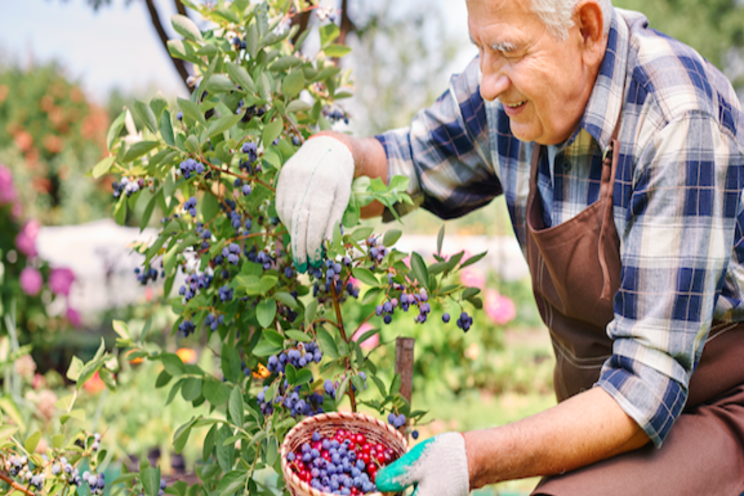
(618, 151)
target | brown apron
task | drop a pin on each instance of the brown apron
(575, 269)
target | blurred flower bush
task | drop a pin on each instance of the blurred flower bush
(49, 136)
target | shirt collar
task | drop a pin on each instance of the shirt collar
(605, 102)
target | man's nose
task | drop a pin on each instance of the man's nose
(493, 80)
(493, 85)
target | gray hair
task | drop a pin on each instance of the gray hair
(556, 15)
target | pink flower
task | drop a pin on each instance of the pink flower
(60, 281)
(499, 308)
(473, 278)
(370, 343)
(31, 281)
(74, 317)
(7, 190)
(26, 239)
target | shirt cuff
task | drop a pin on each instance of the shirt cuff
(649, 397)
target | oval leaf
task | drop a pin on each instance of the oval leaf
(265, 312)
(186, 28)
(272, 131)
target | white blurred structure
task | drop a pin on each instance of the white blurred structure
(100, 253)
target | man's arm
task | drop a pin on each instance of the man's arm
(584, 429)
(369, 160)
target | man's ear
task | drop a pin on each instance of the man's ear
(590, 21)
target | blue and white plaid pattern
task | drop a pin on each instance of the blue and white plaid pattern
(677, 198)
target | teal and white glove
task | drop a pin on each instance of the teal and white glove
(312, 193)
(437, 467)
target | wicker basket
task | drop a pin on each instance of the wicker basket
(326, 424)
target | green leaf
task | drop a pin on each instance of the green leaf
(298, 106)
(147, 214)
(186, 28)
(173, 364)
(225, 454)
(210, 206)
(192, 111)
(121, 329)
(366, 276)
(241, 77)
(273, 337)
(192, 388)
(219, 83)
(371, 295)
(298, 336)
(231, 364)
(150, 478)
(395, 385)
(329, 33)
(115, 129)
(166, 128)
(223, 124)
(310, 310)
(272, 131)
(231, 483)
(361, 233)
(265, 312)
(327, 344)
(120, 210)
(267, 282)
(293, 83)
(138, 149)
(209, 443)
(438, 267)
(235, 406)
(391, 237)
(180, 439)
(163, 379)
(303, 377)
(266, 348)
(418, 267)
(286, 299)
(286, 62)
(251, 40)
(440, 239)
(108, 378)
(32, 441)
(470, 292)
(76, 366)
(147, 115)
(103, 166)
(336, 51)
(473, 259)
(216, 392)
(341, 391)
(158, 104)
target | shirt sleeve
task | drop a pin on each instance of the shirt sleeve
(445, 151)
(675, 250)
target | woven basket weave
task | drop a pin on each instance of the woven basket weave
(326, 424)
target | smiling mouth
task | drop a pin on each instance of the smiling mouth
(515, 105)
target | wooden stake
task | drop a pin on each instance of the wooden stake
(404, 365)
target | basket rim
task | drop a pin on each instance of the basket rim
(316, 419)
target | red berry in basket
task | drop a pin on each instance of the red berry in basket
(359, 438)
(366, 447)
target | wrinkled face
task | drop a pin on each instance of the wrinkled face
(543, 82)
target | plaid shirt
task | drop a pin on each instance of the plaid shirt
(677, 198)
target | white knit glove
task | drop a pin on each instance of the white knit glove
(437, 466)
(312, 193)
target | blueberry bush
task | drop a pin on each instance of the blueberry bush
(210, 165)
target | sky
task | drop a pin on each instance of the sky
(115, 46)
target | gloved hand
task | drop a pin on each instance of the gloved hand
(437, 466)
(312, 193)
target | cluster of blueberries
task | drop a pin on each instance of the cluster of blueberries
(127, 186)
(251, 149)
(225, 293)
(194, 282)
(332, 276)
(339, 465)
(231, 253)
(419, 299)
(464, 322)
(17, 466)
(376, 251)
(190, 166)
(337, 115)
(147, 275)
(71, 473)
(213, 321)
(96, 483)
(396, 420)
(260, 257)
(239, 45)
(244, 188)
(290, 399)
(186, 327)
(190, 206)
